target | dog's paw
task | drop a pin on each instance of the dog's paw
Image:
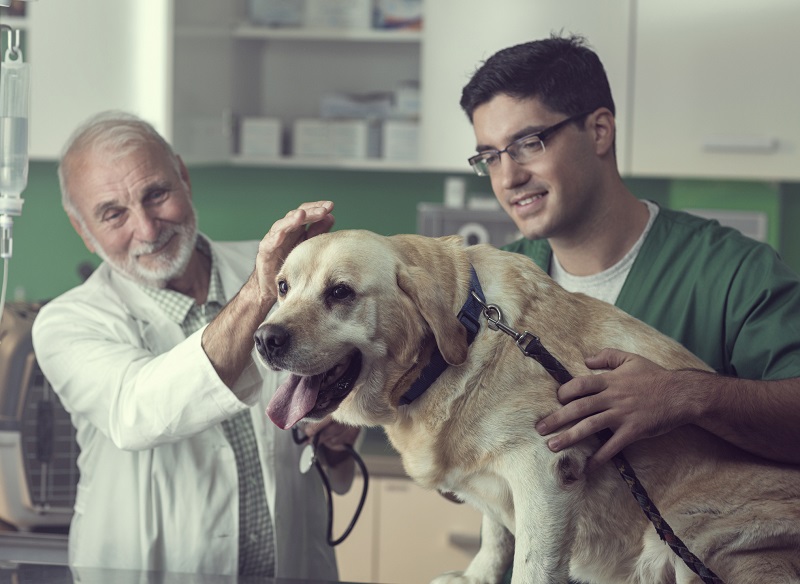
(455, 578)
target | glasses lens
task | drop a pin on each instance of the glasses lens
(526, 149)
(480, 165)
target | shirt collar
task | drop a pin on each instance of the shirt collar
(177, 306)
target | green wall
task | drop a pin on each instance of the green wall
(243, 202)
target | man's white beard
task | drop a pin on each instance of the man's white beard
(166, 269)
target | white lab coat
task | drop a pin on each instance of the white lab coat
(158, 485)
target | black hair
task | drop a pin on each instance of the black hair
(561, 72)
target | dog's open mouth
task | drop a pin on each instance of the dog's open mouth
(313, 395)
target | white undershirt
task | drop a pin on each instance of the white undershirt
(605, 285)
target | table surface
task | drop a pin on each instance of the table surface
(51, 574)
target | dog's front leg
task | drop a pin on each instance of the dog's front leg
(545, 509)
(491, 562)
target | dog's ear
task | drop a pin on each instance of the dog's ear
(436, 306)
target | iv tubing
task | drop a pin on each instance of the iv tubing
(3, 290)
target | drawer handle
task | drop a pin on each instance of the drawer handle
(740, 144)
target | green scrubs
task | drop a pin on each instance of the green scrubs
(728, 299)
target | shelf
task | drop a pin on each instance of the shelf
(265, 33)
(15, 22)
(327, 163)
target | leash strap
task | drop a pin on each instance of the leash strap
(469, 315)
(553, 366)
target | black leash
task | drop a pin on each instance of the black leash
(530, 346)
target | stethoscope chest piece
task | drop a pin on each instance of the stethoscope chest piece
(307, 458)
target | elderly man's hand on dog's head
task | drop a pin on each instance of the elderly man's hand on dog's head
(308, 220)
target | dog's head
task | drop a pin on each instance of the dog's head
(357, 317)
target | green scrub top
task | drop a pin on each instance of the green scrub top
(729, 299)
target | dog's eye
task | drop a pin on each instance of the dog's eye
(340, 292)
(283, 288)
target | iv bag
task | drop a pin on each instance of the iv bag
(14, 104)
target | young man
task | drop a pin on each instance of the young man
(543, 118)
(179, 472)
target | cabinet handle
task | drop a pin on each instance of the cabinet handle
(740, 144)
(465, 542)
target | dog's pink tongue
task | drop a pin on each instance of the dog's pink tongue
(293, 400)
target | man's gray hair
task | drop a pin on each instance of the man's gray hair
(113, 131)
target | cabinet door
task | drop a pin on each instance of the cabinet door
(716, 86)
(459, 34)
(82, 58)
(421, 534)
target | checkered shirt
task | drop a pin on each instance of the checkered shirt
(256, 539)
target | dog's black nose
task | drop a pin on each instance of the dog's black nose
(271, 340)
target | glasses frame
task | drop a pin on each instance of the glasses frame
(542, 135)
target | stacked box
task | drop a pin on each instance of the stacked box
(344, 14)
(351, 105)
(260, 137)
(342, 139)
(400, 140)
(277, 12)
(407, 100)
(310, 138)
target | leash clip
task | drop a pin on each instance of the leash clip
(494, 316)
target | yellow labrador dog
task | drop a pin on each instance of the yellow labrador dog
(358, 321)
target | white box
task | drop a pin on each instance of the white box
(345, 14)
(346, 139)
(356, 105)
(400, 140)
(277, 12)
(354, 139)
(407, 100)
(310, 138)
(260, 137)
(343, 139)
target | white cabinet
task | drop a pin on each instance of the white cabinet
(460, 34)
(716, 90)
(406, 534)
(421, 534)
(703, 89)
(92, 55)
(167, 61)
(191, 67)
(83, 59)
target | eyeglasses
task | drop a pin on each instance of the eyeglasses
(521, 151)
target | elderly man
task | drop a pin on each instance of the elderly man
(179, 470)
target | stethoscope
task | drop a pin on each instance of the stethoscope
(308, 458)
